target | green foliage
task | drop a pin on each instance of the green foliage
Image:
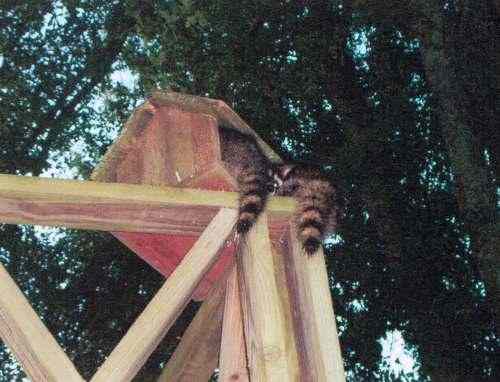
(348, 84)
(54, 54)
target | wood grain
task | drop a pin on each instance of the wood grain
(151, 326)
(263, 313)
(314, 320)
(117, 206)
(27, 337)
(196, 356)
(233, 358)
(215, 108)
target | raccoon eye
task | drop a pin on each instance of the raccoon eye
(271, 187)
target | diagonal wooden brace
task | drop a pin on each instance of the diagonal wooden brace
(151, 326)
(28, 338)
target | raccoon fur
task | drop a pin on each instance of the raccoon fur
(315, 196)
(252, 170)
(257, 178)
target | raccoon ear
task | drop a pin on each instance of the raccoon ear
(285, 170)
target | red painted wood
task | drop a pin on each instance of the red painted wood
(165, 252)
(175, 148)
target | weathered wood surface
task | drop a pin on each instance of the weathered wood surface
(118, 207)
(35, 348)
(280, 259)
(314, 320)
(151, 326)
(196, 356)
(233, 358)
(172, 215)
(264, 316)
(162, 146)
(168, 146)
(164, 252)
(215, 108)
(170, 138)
(173, 140)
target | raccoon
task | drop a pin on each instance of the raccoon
(315, 195)
(253, 172)
(257, 177)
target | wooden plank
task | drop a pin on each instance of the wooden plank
(263, 313)
(196, 356)
(116, 206)
(28, 338)
(216, 108)
(317, 340)
(280, 258)
(233, 357)
(151, 326)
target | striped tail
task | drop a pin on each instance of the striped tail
(314, 213)
(310, 228)
(253, 196)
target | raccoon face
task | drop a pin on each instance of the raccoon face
(277, 176)
(287, 179)
(314, 195)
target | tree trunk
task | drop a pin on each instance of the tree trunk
(475, 192)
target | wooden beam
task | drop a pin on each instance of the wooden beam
(233, 357)
(316, 330)
(196, 356)
(216, 108)
(117, 206)
(151, 326)
(28, 338)
(263, 313)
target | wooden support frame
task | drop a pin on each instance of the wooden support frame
(264, 316)
(151, 326)
(116, 206)
(318, 343)
(28, 338)
(286, 336)
(267, 316)
(233, 356)
(196, 357)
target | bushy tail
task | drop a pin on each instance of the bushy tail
(314, 213)
(310, 229)
(253, 196)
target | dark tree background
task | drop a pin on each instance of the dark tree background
(397, 99)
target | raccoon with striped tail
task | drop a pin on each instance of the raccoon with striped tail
(257, 178)
(253, 171)
(316, 202)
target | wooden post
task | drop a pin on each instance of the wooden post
(289, 333)
(263, 313)
(317, 338)
(28, 338)
(150, 327)
(233, 357)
